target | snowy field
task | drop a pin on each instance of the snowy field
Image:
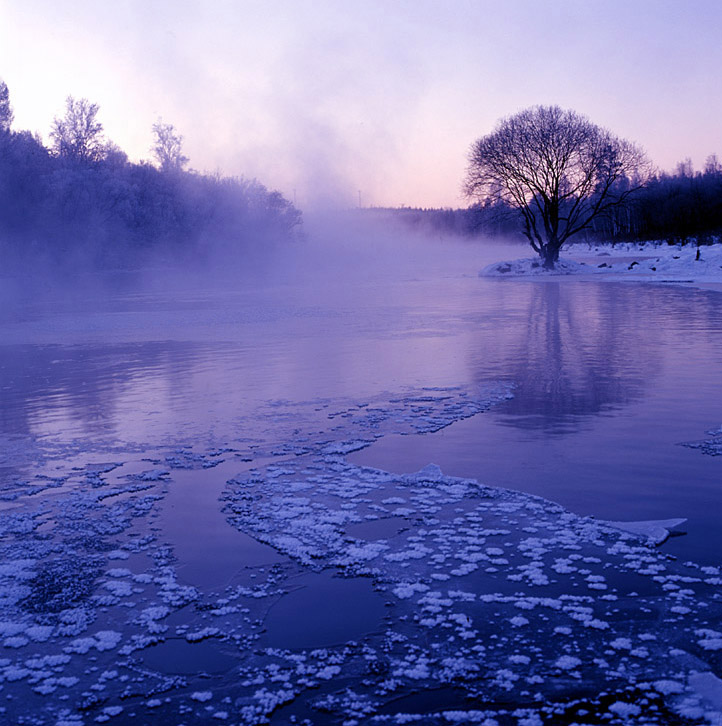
(160, 564)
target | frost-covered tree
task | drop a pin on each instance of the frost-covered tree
(6, 111)
(168, 147)
(558, 169)
(79, 134)
(712, 165)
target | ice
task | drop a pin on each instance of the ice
(707, 686)
(202, 696)
(655, 531)
(483, 592)
(567, 662)
(625, 710)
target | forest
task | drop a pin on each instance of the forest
(80, 202)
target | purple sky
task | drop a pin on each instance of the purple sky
(328, 98)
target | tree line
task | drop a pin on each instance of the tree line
(679, 207)
(675, 207)
(552, 176)
(80, 199)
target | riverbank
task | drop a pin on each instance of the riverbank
(645, 262)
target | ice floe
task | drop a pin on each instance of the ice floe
(489, 606)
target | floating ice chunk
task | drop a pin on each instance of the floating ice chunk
(102, 640)
(119, 589)
(406, 589)
(707, 686)
(667, 687)
(107, 639)
(8, 628)
(625, 709)
(655, 531)
(430, 473)
(202, 696)
(201, 634)
(709, 639)
(39, 633)
(110, 711)
(567, 662)
(154, 475)
(16, 641)
(119, 572)
(345, 447)
(328, 672)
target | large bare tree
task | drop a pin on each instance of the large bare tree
(558, 169)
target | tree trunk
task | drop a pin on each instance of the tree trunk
(550, 255)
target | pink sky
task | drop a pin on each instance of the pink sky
(329, 98)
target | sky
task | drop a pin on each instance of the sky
(334, 102)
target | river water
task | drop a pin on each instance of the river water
(169, 383)
(609, 378)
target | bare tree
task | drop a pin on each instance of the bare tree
(558, 169)
(6, 111)
(168, 147)
(78, 135)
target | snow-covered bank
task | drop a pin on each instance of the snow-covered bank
(664, 263)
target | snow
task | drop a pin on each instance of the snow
(532, 267)
(646, 261)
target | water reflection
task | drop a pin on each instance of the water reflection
(77, 389)
(579, 351)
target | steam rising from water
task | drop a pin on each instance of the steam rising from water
(332, 251)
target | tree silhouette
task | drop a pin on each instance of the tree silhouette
(558, 169)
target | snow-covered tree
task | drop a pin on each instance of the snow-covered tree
(79, 134)
(6, 111)
(168, 147)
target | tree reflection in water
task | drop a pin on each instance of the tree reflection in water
(582, 350)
